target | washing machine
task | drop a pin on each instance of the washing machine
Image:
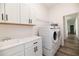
(50, 39)
(56, 38)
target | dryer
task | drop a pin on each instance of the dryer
(50, 39)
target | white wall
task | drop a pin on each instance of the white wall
(39, 11)
(14, 31)
(58, 11)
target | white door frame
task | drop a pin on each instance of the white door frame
(66, 28)
(76, 25)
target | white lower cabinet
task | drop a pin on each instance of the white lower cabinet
(20, 53)
(33, 48)
(39, 51)
(29, 51)
(33, 51)
(16, 50)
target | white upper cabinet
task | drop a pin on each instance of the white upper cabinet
(36, 13)
(33, 13)
(34, 48)
(28, 11)
(21, 13)
(12, 12)
(24, 13)
(1, 12)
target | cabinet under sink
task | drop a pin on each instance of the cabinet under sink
(14, 47)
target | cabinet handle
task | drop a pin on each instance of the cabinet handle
(2, 17)
(35, 43)
(35, 49)
(6, 17)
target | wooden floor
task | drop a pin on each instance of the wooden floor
(71, 47)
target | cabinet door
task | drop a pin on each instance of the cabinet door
(24, 9)
(33, 13)
(12, 12)
(39, 51)
(20, 53)
(38, 47)
(29, 51)
(19, 49)
(1, 12)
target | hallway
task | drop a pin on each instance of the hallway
(71, 47)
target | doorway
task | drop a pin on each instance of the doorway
(72, 29)
(70, 25)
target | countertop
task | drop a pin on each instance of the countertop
(15, 42)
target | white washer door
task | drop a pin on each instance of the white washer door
(55, 36)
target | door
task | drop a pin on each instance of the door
(38, 51)
(71, 29)
(12, 12)
(29, 51)
(1, 12)
(24, 13)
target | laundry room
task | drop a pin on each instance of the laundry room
(39, 29)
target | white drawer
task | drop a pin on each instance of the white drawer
(12, 50)
(36, 42)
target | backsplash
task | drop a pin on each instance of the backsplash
(14, 31)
